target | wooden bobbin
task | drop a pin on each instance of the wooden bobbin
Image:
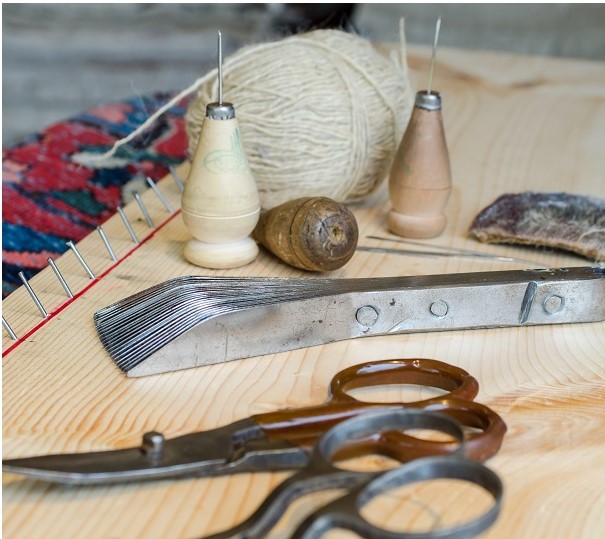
(314, 234)
(420, 181)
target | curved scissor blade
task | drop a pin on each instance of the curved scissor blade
(201, 453)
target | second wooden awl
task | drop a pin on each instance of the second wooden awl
(421, 180)
(314, 234)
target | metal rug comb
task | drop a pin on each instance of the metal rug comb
(194, 321)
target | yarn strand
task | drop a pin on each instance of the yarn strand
(150, 121)
(320, 114)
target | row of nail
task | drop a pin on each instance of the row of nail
(105, 240)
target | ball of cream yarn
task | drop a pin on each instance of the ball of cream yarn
(320, 114)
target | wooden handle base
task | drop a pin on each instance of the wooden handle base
(221, 255)
(413, 226)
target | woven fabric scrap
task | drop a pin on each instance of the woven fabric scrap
(566, 221)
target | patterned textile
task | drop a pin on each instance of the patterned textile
(48, 199)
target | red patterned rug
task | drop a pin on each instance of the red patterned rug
(48, 199)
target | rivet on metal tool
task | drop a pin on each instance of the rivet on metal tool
(439, 308)
(33, 295)
(177, 179)
(153, 443)
(73, 247)
(366, 315)
(106, 242)
(159, 194)
(238, 451)
(9, 330)
(553, 304)
(52, 264)
(144, 211)
(127, 225)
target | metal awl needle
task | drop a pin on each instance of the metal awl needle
(220, 68)
(177, 179)
(159, 194)
(432, 66)
(10, 331)
(107, 244)
(73, 247)
(52, 264)
(32, 294)
(144, 211)
(128, 225)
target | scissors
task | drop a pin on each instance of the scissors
(361, 487)
(283, 440)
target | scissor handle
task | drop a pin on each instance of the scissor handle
(321, 473)
(344, 512)
(421, 371)
(303, 426)
(480, 445)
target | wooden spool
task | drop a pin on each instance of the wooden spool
(312, 233)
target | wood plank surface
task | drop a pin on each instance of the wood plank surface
(513, 123)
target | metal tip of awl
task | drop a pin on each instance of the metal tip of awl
(220, 67)
(432, 66)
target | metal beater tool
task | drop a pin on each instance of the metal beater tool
(194, 321)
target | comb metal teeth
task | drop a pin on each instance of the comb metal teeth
(216, 319)
(134, 328)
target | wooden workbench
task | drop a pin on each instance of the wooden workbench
(513, 123)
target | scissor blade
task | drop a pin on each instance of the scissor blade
(197, 454)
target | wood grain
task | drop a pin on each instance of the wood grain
(513, 123)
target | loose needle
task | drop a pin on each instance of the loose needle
(455, 250)
(461, 254)
(432, 67)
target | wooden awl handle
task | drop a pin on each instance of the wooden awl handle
(314, 234)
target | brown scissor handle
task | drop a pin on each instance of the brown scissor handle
(420, 371)
(480, 445)
(400, 446)
(304, 425)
